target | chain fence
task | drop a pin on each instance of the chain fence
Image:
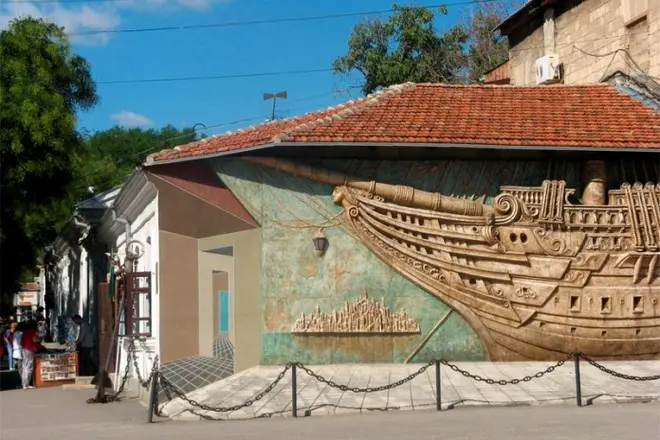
(156, 380)
(604, 369)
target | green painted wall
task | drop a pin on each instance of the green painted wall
(295, 280)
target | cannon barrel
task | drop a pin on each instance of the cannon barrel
(399, 194)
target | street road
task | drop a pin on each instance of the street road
(62, 414)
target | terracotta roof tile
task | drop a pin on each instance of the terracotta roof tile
(596, 116)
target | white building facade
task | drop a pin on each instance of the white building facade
(131, 231)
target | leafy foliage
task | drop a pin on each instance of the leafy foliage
(112, 154)
(47, 165)
(43, 84)
(407, 47)
(485, 51)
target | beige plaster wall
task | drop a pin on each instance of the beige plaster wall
(244, 294)
(178, 296)
(597, 27)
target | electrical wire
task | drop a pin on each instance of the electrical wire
(631, 61)
(203, 78)
(292, 72)
(244, 23)
(311, 71)
(163, 144)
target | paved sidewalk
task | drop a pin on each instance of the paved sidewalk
(557, 387)
(60, 414)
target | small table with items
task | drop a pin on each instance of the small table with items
(55, 368)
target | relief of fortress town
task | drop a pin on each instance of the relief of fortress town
(461, 259)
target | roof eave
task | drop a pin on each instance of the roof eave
(213, 155)
(530, 6)
(573, 148)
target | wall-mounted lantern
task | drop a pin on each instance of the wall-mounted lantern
(320, 243)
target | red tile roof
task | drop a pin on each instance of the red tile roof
(594, 116)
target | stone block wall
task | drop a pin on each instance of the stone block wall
(596, 27)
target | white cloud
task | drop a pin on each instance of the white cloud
(130, 119)
(75, 19)
(80, 19)
(173, 4)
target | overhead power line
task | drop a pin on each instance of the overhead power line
(194, 131)
(200, 78)
(240, 23)
(305, 71)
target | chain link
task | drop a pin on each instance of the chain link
(514, 381)
(154, 368)
(167, 385)
(130, 355)
(366, 389)
(604, 369)
(171, 391)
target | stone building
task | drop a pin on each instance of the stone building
(581, 42)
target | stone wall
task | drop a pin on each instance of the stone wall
(296, 281)
(596, 27)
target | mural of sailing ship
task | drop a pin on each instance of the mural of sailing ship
(536, 275)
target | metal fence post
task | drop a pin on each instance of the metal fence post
(438, 387)
(578, 386)
(294, 392)
(153, 395)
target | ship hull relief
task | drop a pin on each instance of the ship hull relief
(536, 275)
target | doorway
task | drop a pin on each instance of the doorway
(223, 311)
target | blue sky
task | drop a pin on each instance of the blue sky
(207, 52)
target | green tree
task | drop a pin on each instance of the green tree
(418, 54)
(111, 155)
(43, 84)
(407, 47)
(486, 50)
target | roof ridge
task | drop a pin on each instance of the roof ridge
(351, 107)
(511, 86)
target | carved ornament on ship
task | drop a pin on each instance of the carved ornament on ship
(535, 275)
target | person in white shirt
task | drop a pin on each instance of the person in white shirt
(17, 346)
(85, 346)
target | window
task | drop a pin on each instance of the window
(605, 304)
(634, 10)
(136, 316)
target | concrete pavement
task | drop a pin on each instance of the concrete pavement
(61, 414)
(418, 394)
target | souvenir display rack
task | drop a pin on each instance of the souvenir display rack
(54, 369)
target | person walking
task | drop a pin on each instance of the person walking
(18, 347)
(30, 344)
(85, 347)
(8, 340)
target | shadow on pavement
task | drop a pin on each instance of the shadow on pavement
(9, 380)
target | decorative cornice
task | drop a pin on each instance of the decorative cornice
(135, 195)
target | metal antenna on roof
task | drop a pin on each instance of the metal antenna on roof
(274, 96)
